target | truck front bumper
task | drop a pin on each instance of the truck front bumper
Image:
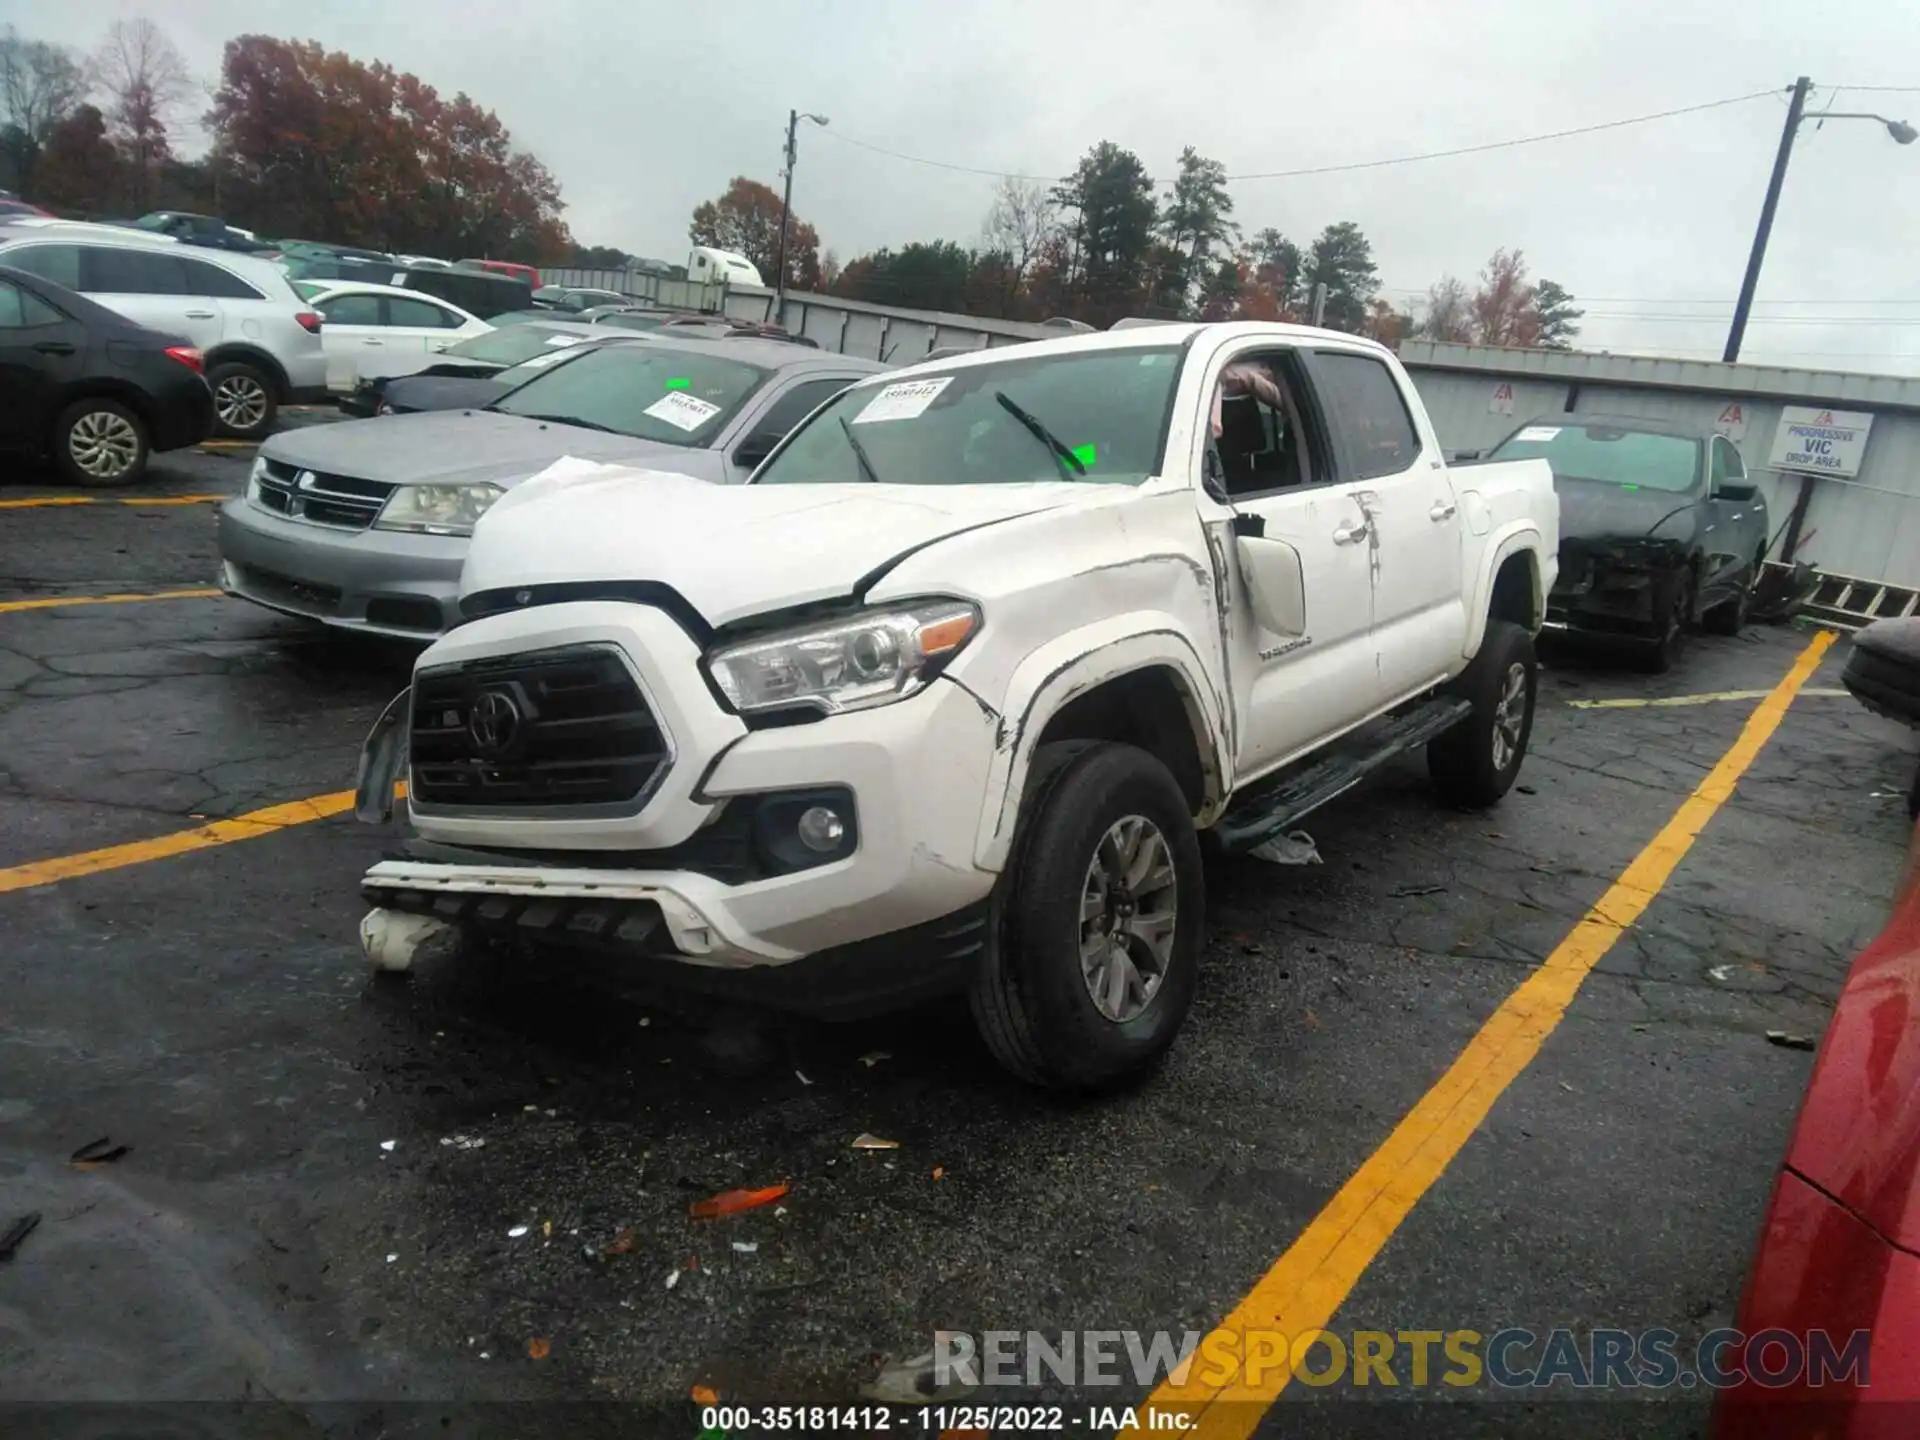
(701, 872)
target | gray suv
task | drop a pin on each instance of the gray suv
(260, 339)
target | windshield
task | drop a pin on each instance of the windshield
(674, 396)
(1607, 453)
(513, 344)
(1099, 416)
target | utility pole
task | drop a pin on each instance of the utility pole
(1796, 108)
(1317, 306)
(786, 206)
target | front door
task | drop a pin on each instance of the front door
(1419, 610)
(1276, 467)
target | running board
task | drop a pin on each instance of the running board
(1305, 790)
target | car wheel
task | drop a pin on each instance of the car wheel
(1474, 764)
(1731, 617)
(245, 401)
(1100, 919)
(1663, 652)
(100, 442)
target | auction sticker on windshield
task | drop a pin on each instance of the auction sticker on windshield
(684, 411)
(561, 341)
(1539, 433)
(902, 401)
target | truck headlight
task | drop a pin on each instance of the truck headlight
(854, 664)
(437, 509)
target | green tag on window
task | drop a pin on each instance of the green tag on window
(1085, 454)
(679, 384)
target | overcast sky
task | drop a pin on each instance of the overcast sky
(643, 108)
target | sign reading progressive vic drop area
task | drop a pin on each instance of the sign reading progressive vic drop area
(1827, 442)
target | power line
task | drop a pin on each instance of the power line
(845, 138)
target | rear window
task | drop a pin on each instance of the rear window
(673, 396)
(1369, 412)
(1608, 453)
(204, 278)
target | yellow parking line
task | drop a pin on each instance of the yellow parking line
(55, 602)
(1715, 698)
(40, 502)
(1307, 1285)
(250, 826)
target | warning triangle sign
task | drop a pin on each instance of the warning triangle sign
(1825, 417)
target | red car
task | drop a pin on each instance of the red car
(1840, 1250)
(506, 267)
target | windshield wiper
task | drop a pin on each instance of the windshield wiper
(859, 451)
(1041, 433)
(563, 420)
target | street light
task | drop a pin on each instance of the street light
(794, 117)
(1900, 130)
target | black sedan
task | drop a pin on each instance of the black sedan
(463, 374)
(1660, 529)
(91, 389)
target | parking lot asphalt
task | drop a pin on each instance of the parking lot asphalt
(206, 1004)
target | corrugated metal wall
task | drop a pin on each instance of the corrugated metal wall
(1869, 527)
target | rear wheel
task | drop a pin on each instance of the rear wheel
(1097, 949)
(100, 442)
(1475, 763)
(245, 399)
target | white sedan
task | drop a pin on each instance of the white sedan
(379, 331)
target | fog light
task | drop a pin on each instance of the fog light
(821, 829)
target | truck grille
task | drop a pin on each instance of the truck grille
(556, 728)
(341, 501)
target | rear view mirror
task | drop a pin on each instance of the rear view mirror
(756, 447)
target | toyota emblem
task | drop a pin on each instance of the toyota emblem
(495, 722)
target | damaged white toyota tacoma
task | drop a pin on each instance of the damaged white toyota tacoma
(945, 697)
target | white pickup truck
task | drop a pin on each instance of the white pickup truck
(944, 697)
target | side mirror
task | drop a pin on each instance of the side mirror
(755, 448)
(1736, 491)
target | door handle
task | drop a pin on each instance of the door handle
(372, 342)
(54, 347)
(1352, 534)
(200, 315)
(1442, 510)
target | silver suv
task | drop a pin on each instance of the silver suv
(260, 339)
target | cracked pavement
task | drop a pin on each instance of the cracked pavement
(211, 1011)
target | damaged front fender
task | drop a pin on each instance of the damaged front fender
(383, 760)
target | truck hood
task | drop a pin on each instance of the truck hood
(452, 447)
(1601, 510)
(731, 551)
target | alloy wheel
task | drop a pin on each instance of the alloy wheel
(1128, 908)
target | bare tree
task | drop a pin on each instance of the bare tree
(40, 85)
(1448, 313)
(1503, 310)
(1019, 223)
(147, 83)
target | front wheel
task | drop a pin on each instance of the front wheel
(1672, 619)
(1730, 618)
(1097, 949)
(1475, 763)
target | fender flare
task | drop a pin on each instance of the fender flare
(1068, 667)
(1522, 536)
(251, 354)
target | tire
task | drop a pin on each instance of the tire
(1087, 804)
(1475, 763)
(1664, 651)
(246, 400)
(100, 442)
(1730, 618)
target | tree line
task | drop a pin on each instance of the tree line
(1107, 242)
(306, 144)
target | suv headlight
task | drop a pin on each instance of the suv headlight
(254, 477)
(854, 664)
(437, 509)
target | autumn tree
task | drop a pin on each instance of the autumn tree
(746, 220)
(1341, 259)
(79, 167)
(146, 83)
(1502, 307)
(40, 85)
(1195, 220)
(313, 143)
(1113, 213)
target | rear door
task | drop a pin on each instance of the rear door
(352, 336)
(1414, 525)
(151, 287)
(214, 287)
(41, 350)
(419, 329)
